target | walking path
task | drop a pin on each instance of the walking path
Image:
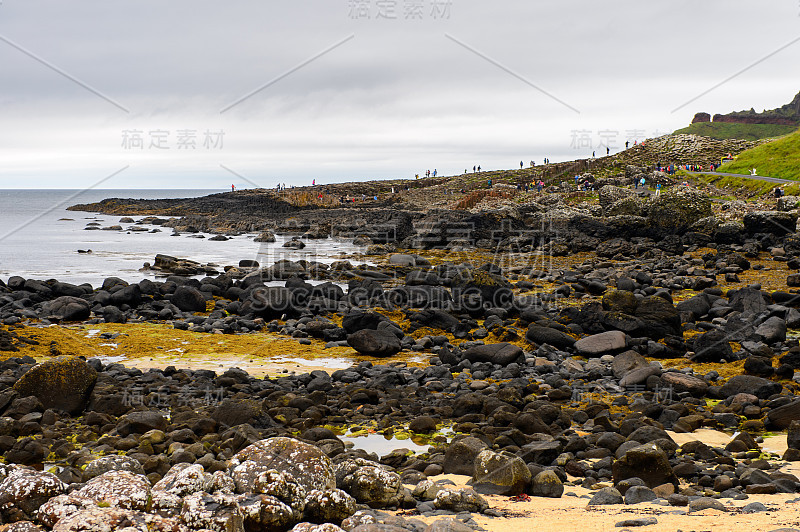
(748, 176)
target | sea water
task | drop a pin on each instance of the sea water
(40, 239)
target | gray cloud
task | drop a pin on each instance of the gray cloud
(397, 99)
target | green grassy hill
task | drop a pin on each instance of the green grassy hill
(779, 158)
(725, 130)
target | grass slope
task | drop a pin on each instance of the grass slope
(724, 130)
(750, 188)
(779, 158)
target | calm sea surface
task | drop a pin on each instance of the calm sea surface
(40, 239)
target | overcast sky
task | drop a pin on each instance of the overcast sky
(364, 89)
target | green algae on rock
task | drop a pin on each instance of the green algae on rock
(64, 383)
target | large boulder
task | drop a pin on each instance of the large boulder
(140, 422)
(647, 462)
(23, 491)
(783, 416)
(369, 483)
(116, 519)
(677, 209)
(660, 317)
(184, 479)
(460, 500)
(620, 301)
(712, 346)
(309, 466)
(284, 487)
(601, 344)
(121, 489)
(749, 301)
(698, 305)
(64, 383)
(539, 335)
(67, 308)
(626, 362)
(459, 456)
(501, 354)
(189, 299)
(222, 512)
(749, 384)
(232, 412)
(329, 506)
(112, 462)
(547, 484)
(500, 474)
(375, 342)
(681, 382)
(772, 330)
(62, 506)
(610, 194)
(775, 222)
(494, 289)
(358, 320)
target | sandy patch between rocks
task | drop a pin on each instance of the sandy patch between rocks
(570, 513)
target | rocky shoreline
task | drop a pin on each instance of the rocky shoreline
(568, 340)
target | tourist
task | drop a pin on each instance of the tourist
(642, 182)
(658, 189)
(521, 165)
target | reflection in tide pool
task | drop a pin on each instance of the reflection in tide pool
(382, 445)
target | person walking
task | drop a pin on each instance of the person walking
(233, 188)
(642, 182)
(434, 172)
(658, 189)
(521, 165)
(479, 168)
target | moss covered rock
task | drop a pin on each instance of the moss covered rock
(620, 301)
(64, 383)
(630, 206)
(676, 210)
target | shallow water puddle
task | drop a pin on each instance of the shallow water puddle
(382, 445)
(111, 359)
(325, 362)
